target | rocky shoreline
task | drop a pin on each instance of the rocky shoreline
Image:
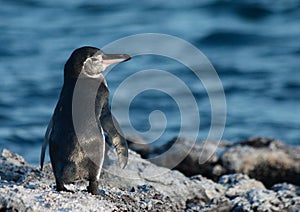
(144, 186)
(265, 159)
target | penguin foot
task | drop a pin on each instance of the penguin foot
(61, 187)
(93, 188)
(64, 189)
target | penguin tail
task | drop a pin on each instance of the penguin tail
(42, 157)
(45, 143)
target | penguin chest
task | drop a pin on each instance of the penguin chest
(92, 150)
(92, 145)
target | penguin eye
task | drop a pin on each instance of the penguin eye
(96, 59)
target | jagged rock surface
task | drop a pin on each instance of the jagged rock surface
(142, 186)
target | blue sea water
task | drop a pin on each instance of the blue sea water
(253, 45)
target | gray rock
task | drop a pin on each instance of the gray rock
(287, 188)
(141, 186)
(238, 184)
(267, 160)
(170, 183)
(189, 155)
(250, 195)
(13, 166)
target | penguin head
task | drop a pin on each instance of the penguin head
(90, 62)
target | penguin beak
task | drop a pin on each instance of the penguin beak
(109, 59)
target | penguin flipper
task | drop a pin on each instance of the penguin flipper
(112, 128)
(45, 142)
(120, 144)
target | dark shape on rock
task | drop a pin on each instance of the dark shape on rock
(139, 145)
(264, 159)
(257, 142)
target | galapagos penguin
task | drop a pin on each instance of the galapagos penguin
(77, 146)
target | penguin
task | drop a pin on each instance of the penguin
(75, 132)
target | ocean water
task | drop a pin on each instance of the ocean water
(253, 45)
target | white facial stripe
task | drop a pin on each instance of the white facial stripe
(93, 67)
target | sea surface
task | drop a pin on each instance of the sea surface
(254, 47)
